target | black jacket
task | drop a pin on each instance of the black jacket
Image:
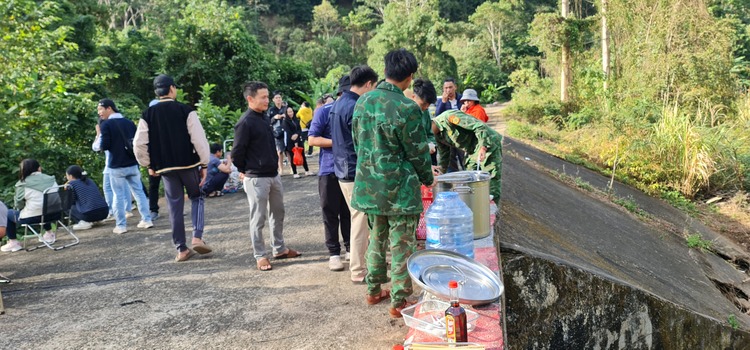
(117, 138)
(291, 126)
(169, 143)
(254, 149)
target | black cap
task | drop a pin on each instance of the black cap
(163, 81)
(345, 84)
(105, 102)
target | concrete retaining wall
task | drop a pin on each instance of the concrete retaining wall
(554, 306)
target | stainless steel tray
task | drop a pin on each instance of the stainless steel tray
(431, 269)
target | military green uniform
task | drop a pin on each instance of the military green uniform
(463, 131)
(393, 160)
(427, 122)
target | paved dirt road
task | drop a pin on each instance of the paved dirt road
(125, 292)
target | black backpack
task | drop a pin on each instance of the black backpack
(278, 130)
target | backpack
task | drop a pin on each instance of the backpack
(278, 130)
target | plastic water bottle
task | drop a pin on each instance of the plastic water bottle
(493, 215)
(450, 225)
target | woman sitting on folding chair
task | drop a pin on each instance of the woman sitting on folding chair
(29, 196)
(88, 204)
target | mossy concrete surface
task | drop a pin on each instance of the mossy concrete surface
(583, 273)
(555, 306)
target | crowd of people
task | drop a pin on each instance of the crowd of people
(377, 140)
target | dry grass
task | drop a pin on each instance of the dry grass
(731, 217)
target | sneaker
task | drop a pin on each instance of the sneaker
(11, 246)
(48, 237)
(128, 215)
(82, 225)
(309, 173)
(109, 218)
(345, 256)
(334, 263)
(296, 176)
(359, 278)
(120, 230)
(154, 215)
(145, 224)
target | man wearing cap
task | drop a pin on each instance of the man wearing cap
(471, 105)
(332, 202)
(481, 143)
(117, 138)
(170, 141)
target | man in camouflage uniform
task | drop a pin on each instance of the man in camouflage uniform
(392, 162)
(479, 141)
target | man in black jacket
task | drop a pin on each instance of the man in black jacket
(171, 142)
(253, 153)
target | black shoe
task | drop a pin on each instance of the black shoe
(154, 215)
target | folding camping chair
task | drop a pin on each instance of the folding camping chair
(56, 205)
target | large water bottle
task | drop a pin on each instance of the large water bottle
(450, 225)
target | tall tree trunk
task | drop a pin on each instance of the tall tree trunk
(565, 60)
(605, 44)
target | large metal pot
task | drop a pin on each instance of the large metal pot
(473, 188)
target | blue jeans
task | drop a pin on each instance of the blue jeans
(108, 194)
(14, 220)
(121, 179)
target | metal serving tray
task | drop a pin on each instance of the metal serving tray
(432, 269)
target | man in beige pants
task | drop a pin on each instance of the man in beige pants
(363, 79)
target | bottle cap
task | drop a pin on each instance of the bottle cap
(452, 284)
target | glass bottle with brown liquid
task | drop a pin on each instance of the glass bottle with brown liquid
(455, 318)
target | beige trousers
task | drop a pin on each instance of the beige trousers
(360, 234)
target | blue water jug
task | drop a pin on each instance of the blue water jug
(450, 225)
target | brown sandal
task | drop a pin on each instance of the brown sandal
(375, 299)
(264, 265)
(290, 253)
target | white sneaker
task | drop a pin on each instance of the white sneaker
(309, 173)
(48, 237)
(11, 246)
(345, 256)
(296, 176)
(109, 218)
(82, 225)
(128, 215)
(145, 224)
(120, 230)
(334, 263)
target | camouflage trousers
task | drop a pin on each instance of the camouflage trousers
(493, 164)
(397, 233)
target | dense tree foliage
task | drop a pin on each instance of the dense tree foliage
(668, 115)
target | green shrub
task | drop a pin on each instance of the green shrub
(696, 241)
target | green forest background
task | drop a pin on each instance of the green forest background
(668, 111)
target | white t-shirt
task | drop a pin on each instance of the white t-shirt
(454, 104)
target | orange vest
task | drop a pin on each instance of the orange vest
(478, 112)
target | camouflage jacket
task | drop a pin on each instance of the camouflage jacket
(463, 131)
(393, 158)
(427, 121)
